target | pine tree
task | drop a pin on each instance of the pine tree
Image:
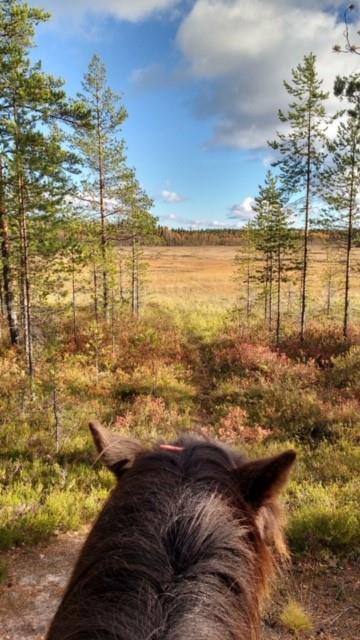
(102, 150)
(7, 265)
(34, 161)
(302, 150)
(274, 239)
(17, 27)
(136, 224)
(245, 278)
(341, 186)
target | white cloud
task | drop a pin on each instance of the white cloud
(242, 211)
(131, 10)
(171, 196)
(249, 49)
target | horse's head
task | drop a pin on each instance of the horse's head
(182, 547)
(258, 483)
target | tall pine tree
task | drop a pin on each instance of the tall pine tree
(341, 180)
(102, 150)
(302, 151)
(33, 177)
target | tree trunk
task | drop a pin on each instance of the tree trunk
(349, 245)
(121, 287)
(9, 297)
(278, 309)
(133, 278)
(104, 267)
(25, 278)
(2, 314)
(248, 292)
(112, 318)
(270, 290)
(2, 308)
(138, 283)
(96, 307)
(73, 300)
(102, 216)
(266, 288)
(328, 295)
(306, 232)
(24, 256)
(57, 418)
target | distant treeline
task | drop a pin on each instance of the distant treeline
(196, 237)
(223, 237)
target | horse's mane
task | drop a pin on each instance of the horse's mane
(176, 553)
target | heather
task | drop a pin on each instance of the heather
(159, 378)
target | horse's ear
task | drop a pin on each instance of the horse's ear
(117, 453)
(262, 480)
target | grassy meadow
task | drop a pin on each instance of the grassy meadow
(184, 365)
(203, 277)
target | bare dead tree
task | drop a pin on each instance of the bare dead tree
(349, 45)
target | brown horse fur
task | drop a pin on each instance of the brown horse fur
(183, 549)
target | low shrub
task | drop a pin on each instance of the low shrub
(320, 344)
(295, 618)
(345, 372)
(324, 516)
(288, 411)
(149, 418)
(234, 429)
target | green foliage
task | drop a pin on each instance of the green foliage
(42, 494)
(34, 164)
(110, 190)
(341, 183)
(332, 524)
(306, 139)
(175, 366)
(274, 239)
(154, 381)
(272, 219)
(345, 370)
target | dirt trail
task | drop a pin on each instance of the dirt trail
(37, 577)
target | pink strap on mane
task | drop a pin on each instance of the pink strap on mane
(171, 447)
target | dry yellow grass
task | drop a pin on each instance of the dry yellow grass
(192, 274)
(202, 279)
(295, 618)
(205, 275)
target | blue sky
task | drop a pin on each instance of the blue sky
(202, 82)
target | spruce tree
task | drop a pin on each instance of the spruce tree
(302, 150)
